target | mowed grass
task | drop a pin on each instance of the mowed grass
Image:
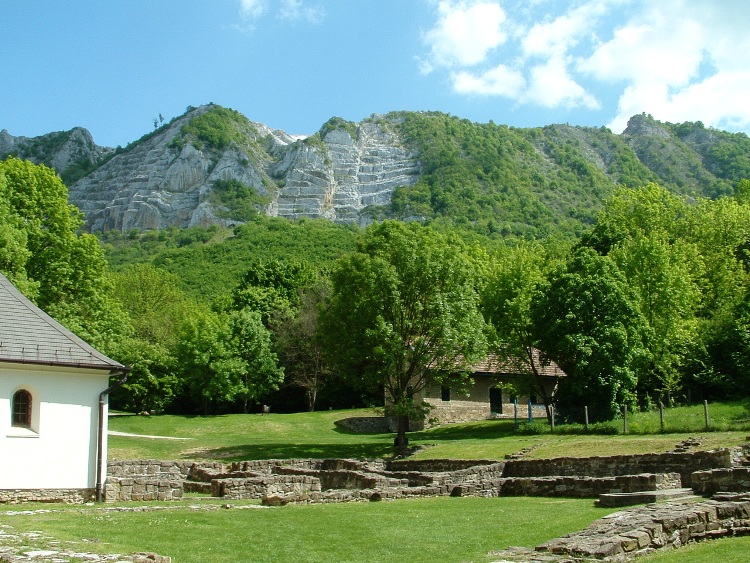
(725, 550)
(433, 530)
(245, 436)
(315, 435)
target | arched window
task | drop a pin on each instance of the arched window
(22, 409)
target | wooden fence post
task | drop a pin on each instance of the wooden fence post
(661, 416)
(705, 411)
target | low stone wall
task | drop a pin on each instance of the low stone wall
(142, 467)
(357, 495)
(437, 465)
(325, 480)
(345, 478)
(256, 488)
(143, 488)
(654, 527)
(70, 496)
(586, 487)
(449, 412)
(683, 463)
(268, 465)
(735, 479)
(477, 473)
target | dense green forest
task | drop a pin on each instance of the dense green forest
(652, 303)
(490, 179)
(537, 182)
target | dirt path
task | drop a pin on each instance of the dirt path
(128, 434)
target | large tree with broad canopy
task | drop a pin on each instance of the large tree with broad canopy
(404, 313)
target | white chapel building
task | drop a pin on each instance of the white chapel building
(54, 391)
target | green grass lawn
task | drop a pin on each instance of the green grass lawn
(301, 435)
(726, 550)
(430, 530)
(433, 530)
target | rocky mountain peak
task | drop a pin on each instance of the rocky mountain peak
(72, 153)
(213, 165)
(171, 177)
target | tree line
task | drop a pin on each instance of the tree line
(652, 304)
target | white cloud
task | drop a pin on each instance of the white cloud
(717, 101)
(296, 10)
(551, 86)
(680, 60)
(498, 81)
(669, 52)
(253, 9)
(292, 10)
(465, 33)
(489, 55)
(556, 37)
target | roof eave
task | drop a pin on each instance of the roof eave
(115, 368)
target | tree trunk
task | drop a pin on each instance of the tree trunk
(402, 441)
(311, 398)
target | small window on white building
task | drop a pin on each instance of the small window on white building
(21, 409)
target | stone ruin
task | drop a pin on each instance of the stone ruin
(614, 481)
(638, 531)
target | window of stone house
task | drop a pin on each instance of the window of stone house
(445, 393)
(21, 410)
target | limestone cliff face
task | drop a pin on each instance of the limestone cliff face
(214, 166)
(344, 176)
(168, 178)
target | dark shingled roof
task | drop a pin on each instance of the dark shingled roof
(493, 364)
(28, 335)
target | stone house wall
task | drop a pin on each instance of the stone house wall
(475, 405)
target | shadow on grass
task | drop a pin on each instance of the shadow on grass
(486, 430)
(293, 451)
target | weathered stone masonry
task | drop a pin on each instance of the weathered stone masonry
(336, 480)
(310, 480)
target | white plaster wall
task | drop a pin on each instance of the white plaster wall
(59, 451)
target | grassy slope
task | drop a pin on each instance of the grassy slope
(241, 437)
(432, 530)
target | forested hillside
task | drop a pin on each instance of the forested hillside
(213, 165)
(621, 257)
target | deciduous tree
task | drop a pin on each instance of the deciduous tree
(404, 313)
(64, 271)
(513, 279)
(586, 318)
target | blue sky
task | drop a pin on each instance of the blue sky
(113, 66)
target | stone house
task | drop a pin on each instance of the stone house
(501, 388)
(53, 406)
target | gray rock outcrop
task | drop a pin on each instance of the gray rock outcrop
(62, 150)
(164, 181)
